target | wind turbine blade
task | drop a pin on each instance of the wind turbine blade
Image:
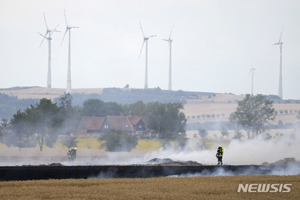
(45, 21)
(250, 70)
(44, 37)
(65, 17)
(165, 40)
(171, 32)
(64, 36)
(42, 42)
(142, 29)
(152, 36)
(141, 49)
(54, 30)
(281, 34)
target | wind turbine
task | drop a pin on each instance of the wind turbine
(68, 29)
(169, 40)
(252, 76)
(48, 37)
(146, 62)
(280, 66)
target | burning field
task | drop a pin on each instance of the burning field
(153, 168)
(266, 170)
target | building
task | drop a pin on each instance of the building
(100, 125)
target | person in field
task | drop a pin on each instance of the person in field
(219, 155)
(72, 153)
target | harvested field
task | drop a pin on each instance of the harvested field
(42, 92)
(220, 187)
(195, 110)
(220, 105)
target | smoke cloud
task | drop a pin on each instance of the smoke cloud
(238, 152)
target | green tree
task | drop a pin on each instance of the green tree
(253, 113)
(66, 102)
(166, 119)
(4, 129)
(119, 141)
(20, 133)
(112, 108)
(238, 135)
(69, 141)
(224, 132)
(138, 109)
(71, 116)
(94, 107)
(44, 121)
(202, 133)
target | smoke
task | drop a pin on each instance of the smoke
(109, 158)
(237, 152)
(218, 172)
(289, 170)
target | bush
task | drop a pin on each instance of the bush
(202, 133)
(69, 141)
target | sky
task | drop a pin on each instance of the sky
(215, 44)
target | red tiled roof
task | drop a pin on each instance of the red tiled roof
(93, 123)
(134, 119)
(119, 123)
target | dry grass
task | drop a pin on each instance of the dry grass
(153, 188)
(148, 145)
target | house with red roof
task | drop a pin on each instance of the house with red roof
(129, 124)
(138, 123)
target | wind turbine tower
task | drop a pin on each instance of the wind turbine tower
(68, 29)
(252, 78)
(280, 66)
(169, 40)
(48, 37)
(146, 57)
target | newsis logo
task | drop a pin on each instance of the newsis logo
(259, 187)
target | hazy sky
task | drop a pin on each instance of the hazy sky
(215, 43)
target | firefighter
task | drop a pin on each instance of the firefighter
(219, 155)
(72, 153)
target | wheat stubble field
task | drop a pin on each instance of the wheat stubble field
(219, 187)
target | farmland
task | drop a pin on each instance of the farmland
(220, 187)
(199, 107)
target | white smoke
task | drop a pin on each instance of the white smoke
(245, 152)
(237, 152)
(290, 170)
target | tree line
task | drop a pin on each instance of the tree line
(42, 123)
(252, 114)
